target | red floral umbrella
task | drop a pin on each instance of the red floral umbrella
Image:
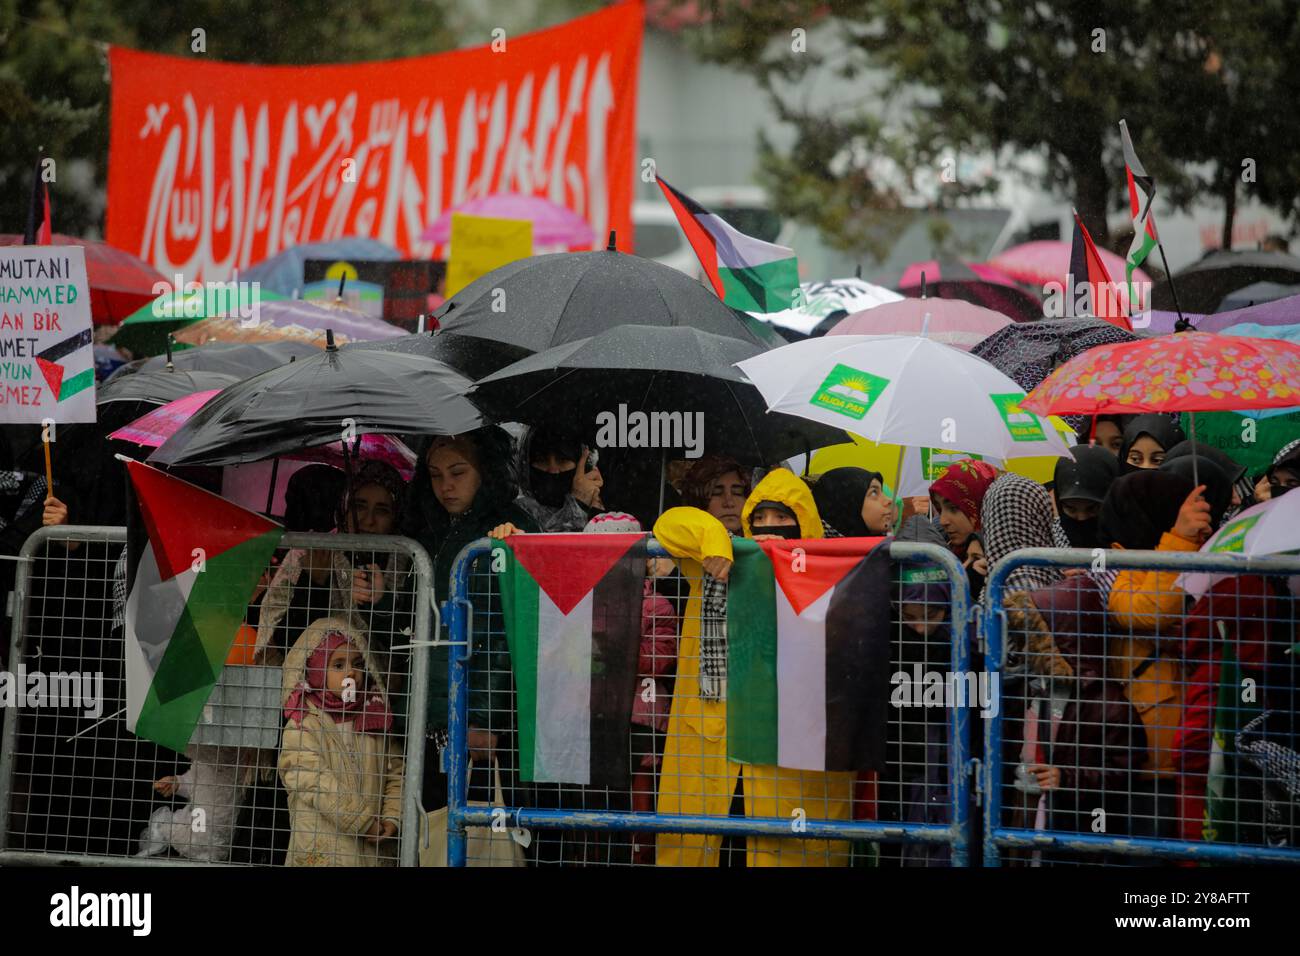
(119, 282)
(1188, 372)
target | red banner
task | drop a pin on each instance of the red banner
(216, 166)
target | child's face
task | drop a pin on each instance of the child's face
(771, 518)
(877, 509)
(924, 618)
(344, 663)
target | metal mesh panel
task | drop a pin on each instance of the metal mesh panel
(681, 784)
(76, 785)
(1140, 723)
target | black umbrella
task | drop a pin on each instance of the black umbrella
(309, 402)
(160, 386)
(611, 385)
(470, 356)
(1205, 283)
(533, 304)
(240, 359)
(1027, 352)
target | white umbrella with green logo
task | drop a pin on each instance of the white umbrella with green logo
(903, 390)
(1270, 527)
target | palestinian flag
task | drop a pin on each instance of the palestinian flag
(1231, 713)
(573, 622)
(808, 654)
(746, 273)
(1141, 192)
(193, 560)
(38, 231)
(1086, 266)
(68, 365)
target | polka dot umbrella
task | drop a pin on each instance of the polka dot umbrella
(1188, 372)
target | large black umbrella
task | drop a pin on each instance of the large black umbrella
(533, 304)
(240, 359)
(472, 357)
(310, 402)
(1027, 352)
(637, 386)
(1205, 283)
(160, 386)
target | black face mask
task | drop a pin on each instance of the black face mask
(1082, 534)
(790, 532)
(549, 489)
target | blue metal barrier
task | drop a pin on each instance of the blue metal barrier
(457, 616)
(998, 836)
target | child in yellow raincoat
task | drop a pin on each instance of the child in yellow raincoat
(697, 777)
(340, 766)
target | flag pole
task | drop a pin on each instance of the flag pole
(1183, 325)
(49, 468)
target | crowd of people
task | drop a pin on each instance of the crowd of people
(1111, 678)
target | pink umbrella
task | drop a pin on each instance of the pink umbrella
(952, 270)
(552, 225)
(1048, 260)
(159, 424)
(976, 282)
(950, 321)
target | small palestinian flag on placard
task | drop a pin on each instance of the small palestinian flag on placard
(808, 654)
(193, 561)
(68, 365)
(746, 273)
(572, 607)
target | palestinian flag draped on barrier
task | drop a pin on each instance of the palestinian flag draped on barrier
(193, 560)
(808, 653)
(572, 607)
(1232, 712)
(746, 273)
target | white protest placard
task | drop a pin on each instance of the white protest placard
(47, 350)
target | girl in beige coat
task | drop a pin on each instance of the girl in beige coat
(342, 770)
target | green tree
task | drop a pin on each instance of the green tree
(1201, 85)
(54, 84)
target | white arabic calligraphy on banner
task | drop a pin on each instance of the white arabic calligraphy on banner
(207, 177)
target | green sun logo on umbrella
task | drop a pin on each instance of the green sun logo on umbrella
(849, 391)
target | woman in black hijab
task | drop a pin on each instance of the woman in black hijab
(1147, 439)
(1218, 489)
(1140, 507)
(853, 502)
(1079, 484)
(1242, 491)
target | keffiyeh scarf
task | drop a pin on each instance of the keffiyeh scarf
(713, 638)
(1017, 513)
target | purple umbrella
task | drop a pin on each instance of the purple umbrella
(286, 313)
(1278, 312)
(552, 225)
